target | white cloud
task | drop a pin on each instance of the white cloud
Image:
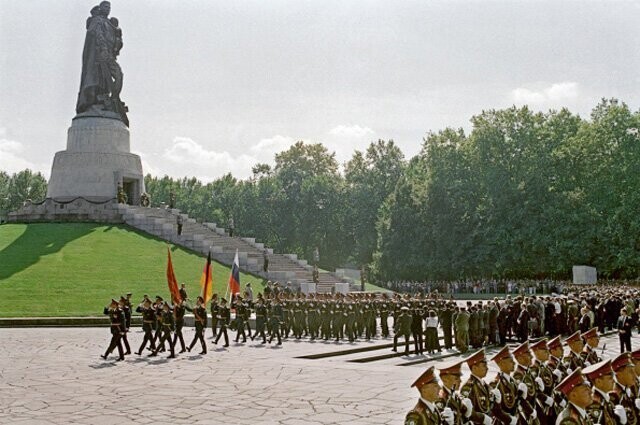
(556, 94)
(351, 131)
(12, 156)
(266, 149)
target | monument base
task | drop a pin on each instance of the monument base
(96, 162)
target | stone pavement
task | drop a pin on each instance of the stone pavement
(55, 376)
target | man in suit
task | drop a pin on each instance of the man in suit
(624, 330)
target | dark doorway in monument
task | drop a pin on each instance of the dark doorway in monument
(132, 189)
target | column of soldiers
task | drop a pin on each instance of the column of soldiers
(545, 381)
(415, 320)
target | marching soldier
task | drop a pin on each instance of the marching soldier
(402, 327)
(178, 313)
(506, 407)
(545, 380)
(126, 309)
(240, 318)
(626, 379)
(158, 305)
(214, 314)
(578, 394)
(200, 322)
(451, 375)
(383, 312)
(116, 316)
(573, 360)
(275, 319)
(167, 327)
(602, 410)
(523, 374)
(148, 320)
(427, 411)
(476, 390)
(261, 319)
(224, 317)
(589, 354)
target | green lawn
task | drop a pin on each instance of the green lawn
(74, 269)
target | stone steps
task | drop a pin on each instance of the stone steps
(205, 237)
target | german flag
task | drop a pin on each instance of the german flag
(206, 280)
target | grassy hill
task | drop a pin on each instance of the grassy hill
(74, 269)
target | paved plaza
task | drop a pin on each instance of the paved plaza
(55, 376)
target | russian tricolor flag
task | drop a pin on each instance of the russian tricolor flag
(234, 279)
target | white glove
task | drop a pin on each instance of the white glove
(497, 397)
(514, 420)
(586, 363)
(534, 414)
(628, 392)
(569, 371)
(447, 416)
(548, 401)
(540, 383)
(557, 374)
(523, 389)
(468, 407)
(487, 420)
(619, 410)
(638, 403)
(563, 403)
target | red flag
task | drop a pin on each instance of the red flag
(206, 280)
(171, 280)
(234, 279)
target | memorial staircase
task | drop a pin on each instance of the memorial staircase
(205, 237)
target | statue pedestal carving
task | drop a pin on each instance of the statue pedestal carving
(96, 161)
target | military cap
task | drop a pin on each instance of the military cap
(591, 333)
(404, 308)
(200, 298)
(222, 300)
(573, 337)
(521, 349)
(166, 304)
(122, 298)
(158, 297)
(502, 354)
(554, 343)
(635, 355)
(572, 381)
(451, 368)
(427, 377)
(128, 294)
(476, 357)
(597, 370)
(540, 345)
(113, 301)
(147, 301)
(622, 361)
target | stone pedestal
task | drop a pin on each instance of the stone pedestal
(97, 159)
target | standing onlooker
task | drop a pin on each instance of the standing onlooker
(431, 323)
(624, 330)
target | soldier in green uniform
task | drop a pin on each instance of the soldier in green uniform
(178, 314)
(622, 394)
(402, 327)
(116, 317)
(578, 394)
(224, 317)
(427, 410)
(523, 374)
(214, 315)
(350, 322)
(275, 318)
(148, 320)
(451, 375)
(474, 327)
(200, 322)
(325, 318)
(126, 309)
(240, 319)
(477, 391)
(168, 326)
(506, 403)
(157, 305)
(313, 319)
(462, 330)
(592, 340)
(261, 319)
(602, 410)
(573, 360)
(445, 318)
(383, 312)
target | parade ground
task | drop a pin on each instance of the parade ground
(56, 376)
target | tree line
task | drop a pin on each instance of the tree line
(524, 195)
